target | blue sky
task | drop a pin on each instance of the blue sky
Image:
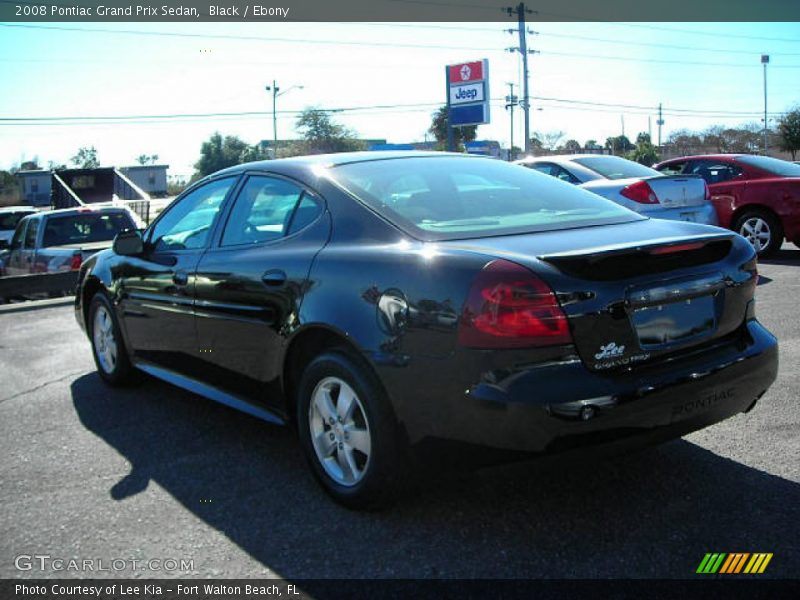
(703, 73)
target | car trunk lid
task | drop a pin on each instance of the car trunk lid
(639, 291)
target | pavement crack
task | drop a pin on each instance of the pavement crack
(42, 385)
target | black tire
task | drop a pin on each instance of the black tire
(121, 372)
(760, 218)
(385, 472)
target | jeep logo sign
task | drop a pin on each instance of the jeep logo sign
(461, 94)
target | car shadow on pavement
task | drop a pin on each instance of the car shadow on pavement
(788, 255)
(654, 513)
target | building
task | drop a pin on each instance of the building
(149, 178)
(35, 186)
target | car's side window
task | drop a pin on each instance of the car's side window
(714, 171)
(675, 168)
(306, 213)
(30, 234)
(546, 168)
(262, 211)
(564, 175)
(188, 224)
(16, 240)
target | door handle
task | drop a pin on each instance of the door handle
(274, 278)
(180, 278)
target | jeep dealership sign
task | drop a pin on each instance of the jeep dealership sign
(468, 93)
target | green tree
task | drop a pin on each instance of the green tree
(322, 134)
(572, 147)
(789, 129)
(619, 144)
(86, 158)
(219, 152)
(147, 159)
(438, 129)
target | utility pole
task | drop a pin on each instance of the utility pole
(511, 103)
(660, 122)
(520, 11)
(765, 62)
(275, 89)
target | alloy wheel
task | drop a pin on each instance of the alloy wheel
(757, 231)
(105, 344)
(339, 431)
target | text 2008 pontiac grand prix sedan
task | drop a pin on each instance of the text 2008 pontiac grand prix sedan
(388, 302)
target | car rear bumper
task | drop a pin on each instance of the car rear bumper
(705, 214)
(562, 405)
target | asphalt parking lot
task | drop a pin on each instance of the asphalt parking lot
(153, 472)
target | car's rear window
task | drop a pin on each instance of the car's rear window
(451, 197)
(782, 168)
(85, 228)
(9, 220)
(614, 167)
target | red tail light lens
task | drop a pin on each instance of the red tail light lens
(510, 307)
(640, 192)
(75, 262)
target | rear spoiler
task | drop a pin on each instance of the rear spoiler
(609, 250)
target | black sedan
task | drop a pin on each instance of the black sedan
(388, 304)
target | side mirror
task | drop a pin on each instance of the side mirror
(128, 243)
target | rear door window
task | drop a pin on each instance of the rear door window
(714, 171)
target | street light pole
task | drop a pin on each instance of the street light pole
(765, 62)
(511, 102)
(275, 89)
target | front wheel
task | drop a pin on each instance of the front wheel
(108, 348)
(348, 431)
(762, 229)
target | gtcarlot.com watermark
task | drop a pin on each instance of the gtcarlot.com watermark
(48, 563)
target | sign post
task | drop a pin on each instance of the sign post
(467, 96)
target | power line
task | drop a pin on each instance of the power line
(376, 44)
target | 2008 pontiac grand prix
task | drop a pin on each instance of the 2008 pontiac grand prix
(382, 301)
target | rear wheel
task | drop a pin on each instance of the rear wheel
(348, 431)
(762, 229)
(108, 348)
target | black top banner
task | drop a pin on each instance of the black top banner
(396, 10)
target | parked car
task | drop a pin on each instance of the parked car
(9, 217)
(632, 185)
(756, 196)
(388, 304)
(60, 240)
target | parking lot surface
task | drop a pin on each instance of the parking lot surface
(152, 472)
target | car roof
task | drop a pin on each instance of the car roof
(704, 156)
(340, 158)
(559, 158)
(83, 209)
(6, 209)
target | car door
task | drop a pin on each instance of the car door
(251, 282)
(157, 288)
(14, 261)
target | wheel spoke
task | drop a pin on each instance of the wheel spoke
(359, 439)
(347, 464)
(345, 403)
(324, 404)
(324, 443)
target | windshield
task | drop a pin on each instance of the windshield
(85, 228)
(775, 166)
(9, 220)
(450, 197)
(614, 167)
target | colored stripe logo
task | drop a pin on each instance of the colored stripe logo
(734, 563)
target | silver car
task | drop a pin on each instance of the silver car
(634, 186)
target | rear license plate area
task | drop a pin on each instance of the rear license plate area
(674, 322)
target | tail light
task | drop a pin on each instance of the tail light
(640, 192)
(75, 262)
(510, 307)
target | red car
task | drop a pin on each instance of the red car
(756, 196)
